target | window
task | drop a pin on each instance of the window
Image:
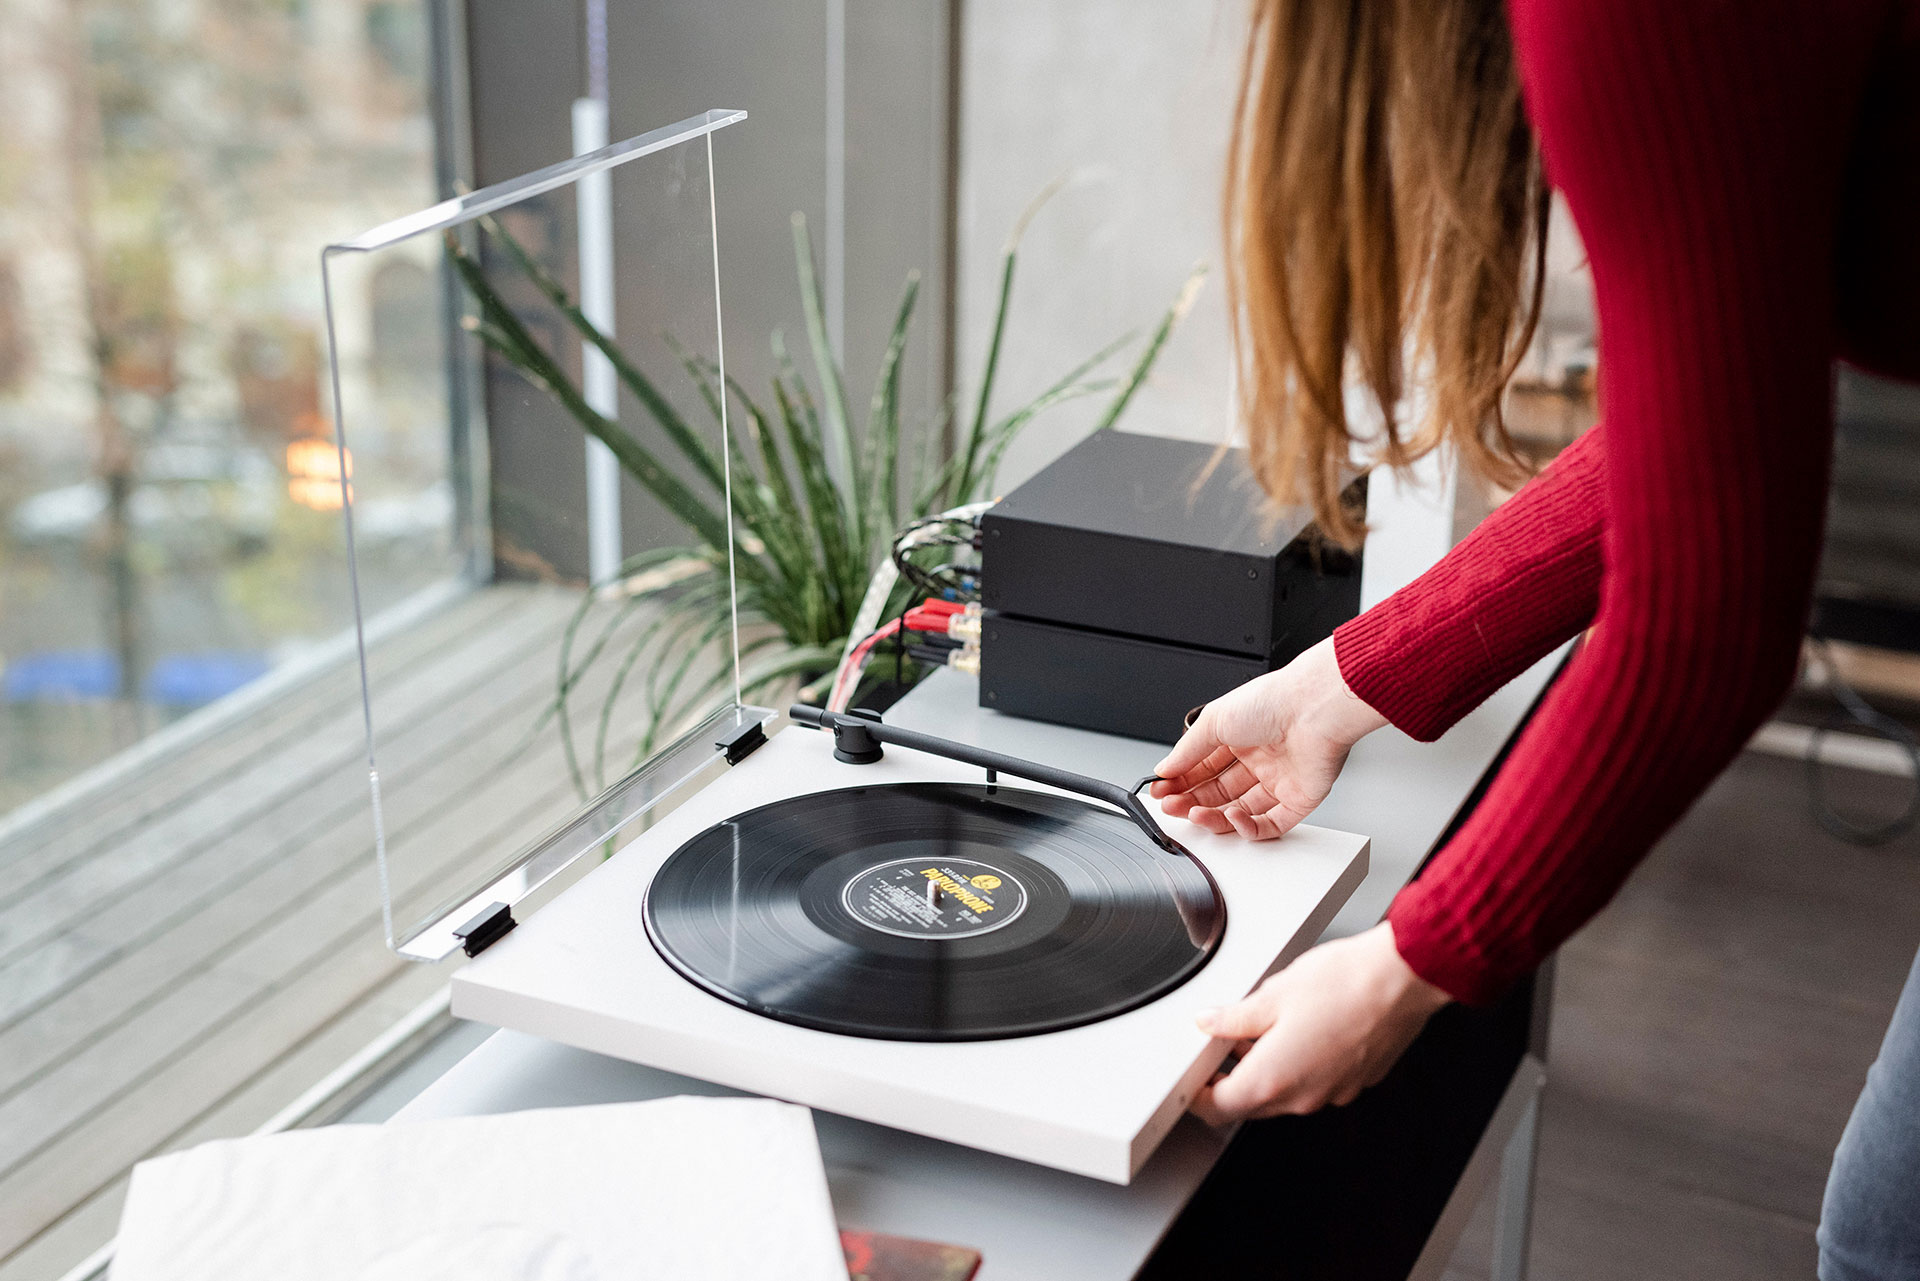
(169, 534)
(168, 174)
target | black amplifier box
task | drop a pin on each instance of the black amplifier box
(1101, 680)
(1137, 571)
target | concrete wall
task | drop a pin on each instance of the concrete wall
(669, 60)
(1130, 100)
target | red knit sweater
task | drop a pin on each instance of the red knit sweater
(1740, 174)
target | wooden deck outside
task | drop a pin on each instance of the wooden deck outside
(186, 951)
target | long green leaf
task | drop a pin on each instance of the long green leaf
(773, 466)
(825, 500)
(634, 565)
(767, 508)
(667, 698)
(570, 677)
(503, 331)
(700, 599)
(968, 476)
(976, 432)
(826, 361)
(927, 497)
(526, 354)
(656, 403)
(993, 444)
(970, 455)
(883, 424)
(1181, 304)
(794, 662)
(1005, 433)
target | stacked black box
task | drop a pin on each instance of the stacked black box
(1137, 577)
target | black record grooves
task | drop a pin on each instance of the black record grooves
(933, 912)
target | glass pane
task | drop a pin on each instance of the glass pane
(578, 310)
(162, 352)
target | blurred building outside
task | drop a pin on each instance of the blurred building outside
(168, 501)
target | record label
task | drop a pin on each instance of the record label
(953, 898)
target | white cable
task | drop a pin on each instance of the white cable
(880, 586)
(847, 679)
(867, 618)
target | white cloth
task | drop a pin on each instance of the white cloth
(676, 1189)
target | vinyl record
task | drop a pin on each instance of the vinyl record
(933, 912)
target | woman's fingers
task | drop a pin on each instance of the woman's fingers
(1200, 816)
(1225, 795)
(1206, 1109)
(1253, 814)
(1239, 1095)
(1260, 1085)
(1335, 1021)
(1176, 795)
(1244, 790)
(1234, 820)
(1195, 746)
(1267, 1081)
(1234, 783)
(1207, 767)
(1269, 824)
(1245, 1020)
(1221, 781)
(1254, 1091)
(1266, 1075)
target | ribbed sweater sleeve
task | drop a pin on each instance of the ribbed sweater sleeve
(1701, 149)
(1526, 579)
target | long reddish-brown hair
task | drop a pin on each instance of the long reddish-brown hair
(1385, 213)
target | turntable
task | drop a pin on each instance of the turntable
(811, 929)
(823, 907)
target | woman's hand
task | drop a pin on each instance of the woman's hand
(1259, 759)
(1319, 1031)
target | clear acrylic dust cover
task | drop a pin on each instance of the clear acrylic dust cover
(533, 458)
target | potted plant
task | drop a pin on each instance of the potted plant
(804, 544)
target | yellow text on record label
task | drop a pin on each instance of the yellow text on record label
(950, 886)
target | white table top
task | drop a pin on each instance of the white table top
(1032, 1222)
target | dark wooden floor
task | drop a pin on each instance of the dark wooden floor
(1711, 1031)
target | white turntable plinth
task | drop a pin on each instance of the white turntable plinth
(1095, 1099)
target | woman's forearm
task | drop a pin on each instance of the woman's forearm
(1525, 580)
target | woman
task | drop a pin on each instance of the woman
(1746, 179)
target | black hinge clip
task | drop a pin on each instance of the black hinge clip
(494, 923)
(742, 742)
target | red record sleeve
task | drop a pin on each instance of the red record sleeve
(875, 1256)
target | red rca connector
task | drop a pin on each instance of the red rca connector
(965, 626)
(937, 617)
